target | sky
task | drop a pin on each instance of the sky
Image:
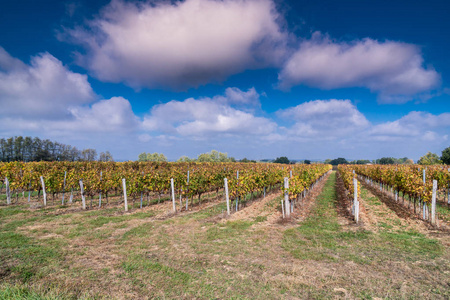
(257, 79)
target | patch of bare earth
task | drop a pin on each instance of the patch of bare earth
(344, 208)
(270, 211)
(404, 216)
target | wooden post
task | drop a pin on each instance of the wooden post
(64, 187)
(355, 199)
(83, 199)
(286, 198)
(43, 191)
(100, 193)
(173, 195)
(448, 191)
(8, 191)
(29, 192)
(433, 203)
(125, 199)
(187, 191)
(227, 196)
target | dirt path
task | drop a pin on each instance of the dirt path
(269, 212)
(385, 204)
(381, 215)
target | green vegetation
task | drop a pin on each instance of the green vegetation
(429, 159)
(446, 156)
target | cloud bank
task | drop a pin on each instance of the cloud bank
(210, 116)
(325, 119)
(394, 70)
(180, 44)
(45, 88)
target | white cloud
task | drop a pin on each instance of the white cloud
(394, 70)
(112, 116)
(180, 44)
(43, 89)
(324, 119)
(209, 116)
(418, 125)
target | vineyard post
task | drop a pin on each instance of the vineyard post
(187, 191)
(286, 197)
(265, 194)
(448, 190)
(64, 187)
(29, 192)
(124, 184)
(282, 208)
(433, 203)
(237, 198)
(173, 195)
(100, 193)
(8, 192)
(227, 196)
(83, 199)
(43, 191)
(423, 202)
(355, 199)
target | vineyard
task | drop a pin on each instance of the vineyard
(145, 179)
(293, 232)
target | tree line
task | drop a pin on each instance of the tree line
(27, 149)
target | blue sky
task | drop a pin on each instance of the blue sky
(255, 79)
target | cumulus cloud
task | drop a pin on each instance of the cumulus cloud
(180, 44)
(394, 70)
(418, 125)
(103, 117)
(209, 116)
(45, 88)
(324, 119)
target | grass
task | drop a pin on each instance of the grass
(321, 238)
(104, 254)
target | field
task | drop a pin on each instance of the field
(151, 253)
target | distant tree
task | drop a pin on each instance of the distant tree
(214, 156)
(184, 158)
(88, 155)
(327, 161)
(105, 156)
(338, 161)
(362, 162)
(246, 160)
(446, 156)
(386, 161)
(429, 159)
(156, 157)
(281, 160)
(307, 162)
(142, 157)
(152, 157)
